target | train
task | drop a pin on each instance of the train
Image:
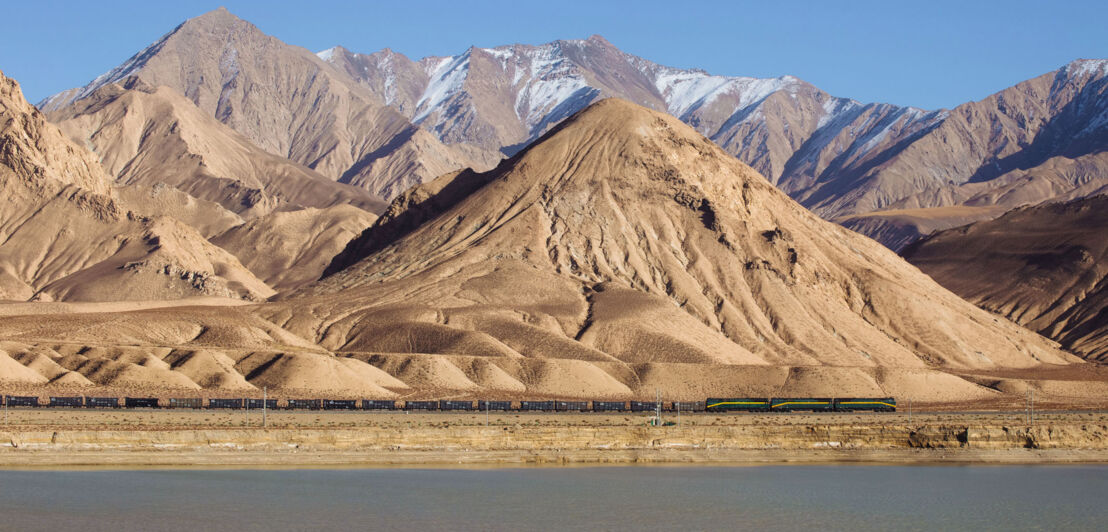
(711, 404)
(792, 404)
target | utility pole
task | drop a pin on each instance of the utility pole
(265, 399)
(677, 406)
(657, 406)
(909, 410)
(486, 412)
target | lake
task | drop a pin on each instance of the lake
(825, 497)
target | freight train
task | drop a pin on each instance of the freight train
(711, 404)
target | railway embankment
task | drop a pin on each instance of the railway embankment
(519, 445)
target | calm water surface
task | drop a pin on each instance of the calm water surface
(610, 498)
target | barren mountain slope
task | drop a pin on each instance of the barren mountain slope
(148, 136)
(1026, 144)
(1044, 267)
(208, 218)
(622, 254)
(898, 228)
(287, 101)
(624, 240)
(290, 249)
(63, 236)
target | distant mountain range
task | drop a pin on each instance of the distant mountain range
(891, 172)
(382, 121)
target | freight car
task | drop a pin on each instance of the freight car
(644, 406)
(455, 405)
(225, 403)
(258, 404)
(66, 402)
(140, 402)
(494, 405)
(371, 404)
(687, 406)
(189, 402)
(101, 402)
(609, 406)
(571, 406)
(421, 405)
(541, 406)
(20, 400)
(340, 404)
(305, 404)
(741, 404)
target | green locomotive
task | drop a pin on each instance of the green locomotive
(794, 404)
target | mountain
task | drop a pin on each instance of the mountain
(1044, 267)
(286, 101)
(1041, 140)
(504, 97)
(65, 235)
(291, 249)
(843, 159)
(628, 250)
(621, 254)
(384, 122)
(151, 136)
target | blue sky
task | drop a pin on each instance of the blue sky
(930, 54)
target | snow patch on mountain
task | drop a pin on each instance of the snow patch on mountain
(553, 80)
(328, 54)
(834, 108)
(1087, 67)
(385, 64)
(447, 78)
(688, 90)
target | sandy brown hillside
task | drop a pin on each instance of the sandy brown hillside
(626, 242)
(64, 236)
(621, 254)
(291, 249)
(146, 135)
(1045, 267)
(287, 101)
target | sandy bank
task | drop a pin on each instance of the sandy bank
(1071, 442)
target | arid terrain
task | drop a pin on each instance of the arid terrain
(214, 438)
(225, 213)
(1044, 267)
(620, 255)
